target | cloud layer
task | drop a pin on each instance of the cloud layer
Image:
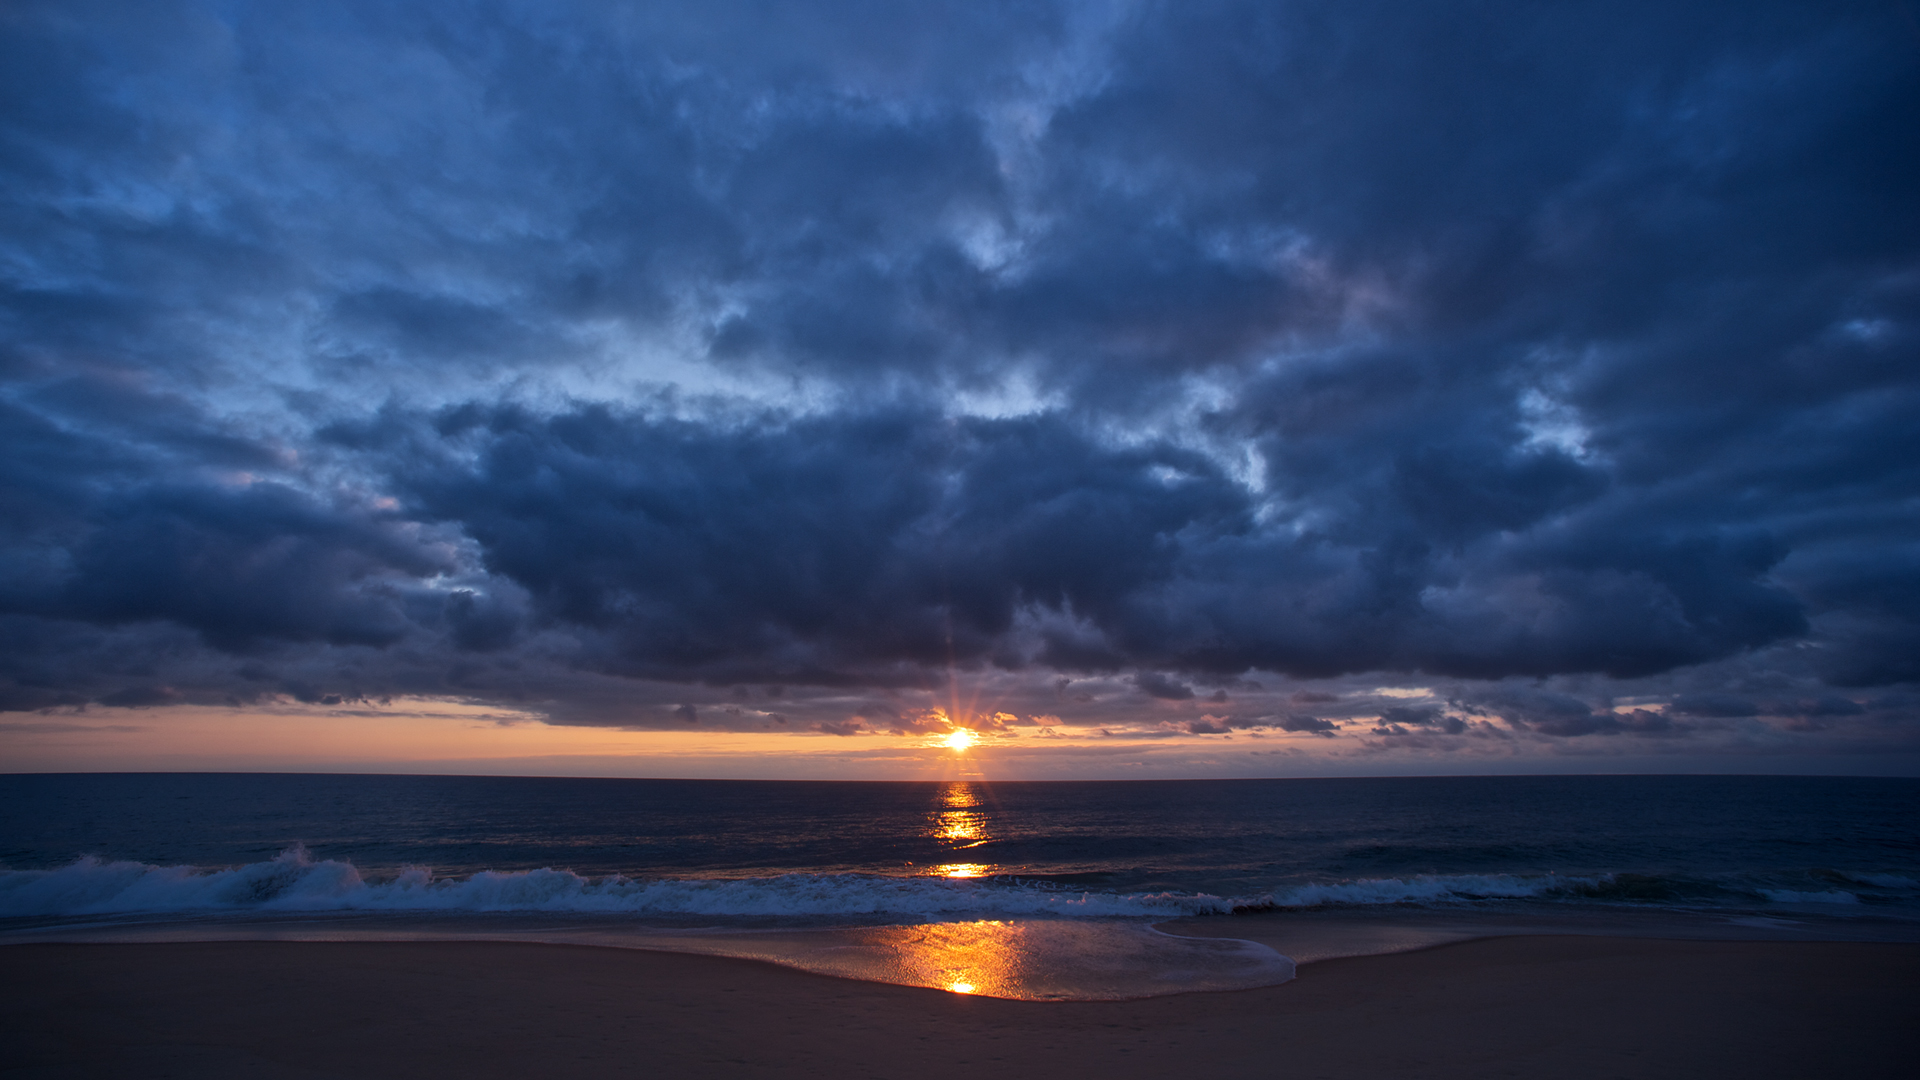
(1560, 361)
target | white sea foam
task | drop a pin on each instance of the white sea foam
(295, 882)
(1789, 896)
(1425, 889)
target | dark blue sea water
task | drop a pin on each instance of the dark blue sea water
(106, 844)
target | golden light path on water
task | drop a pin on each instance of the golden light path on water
(960, 823)
(1028, 959)
(1037, 959)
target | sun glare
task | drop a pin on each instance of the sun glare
(960, 739)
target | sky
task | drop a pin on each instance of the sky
(768, 389)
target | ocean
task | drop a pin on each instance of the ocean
(1066, 878)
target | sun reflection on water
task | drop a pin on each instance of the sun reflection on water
(959, 822)
(961, 870)
(960, 825)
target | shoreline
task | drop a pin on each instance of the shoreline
(1563, 1006)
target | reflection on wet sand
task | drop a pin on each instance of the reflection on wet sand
(966, 958)
(1031, 960)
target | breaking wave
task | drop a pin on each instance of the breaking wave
(297, 882)
(1884, 881)
(1425, 889)
(1826, 896)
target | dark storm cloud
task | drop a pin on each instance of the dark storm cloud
(1312, 725)
(518, 353)
(871, 547)
(1642, 722)
(1717, 705)
(1154, 684)
(115, 531)
(818, 550)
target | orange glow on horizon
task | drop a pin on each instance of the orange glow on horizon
(428, 735)
(453, 736)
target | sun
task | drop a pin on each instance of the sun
(960, 739)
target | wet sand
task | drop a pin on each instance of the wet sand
(1571, 1007)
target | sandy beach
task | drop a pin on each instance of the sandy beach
(1520, 1006)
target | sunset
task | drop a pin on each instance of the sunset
(1064, 537)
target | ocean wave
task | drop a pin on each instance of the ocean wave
(1883, 881)
(296, 882)
(1623, 888)
(1422, 889)
(1791, 896)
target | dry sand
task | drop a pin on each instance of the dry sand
(1519, 1006)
